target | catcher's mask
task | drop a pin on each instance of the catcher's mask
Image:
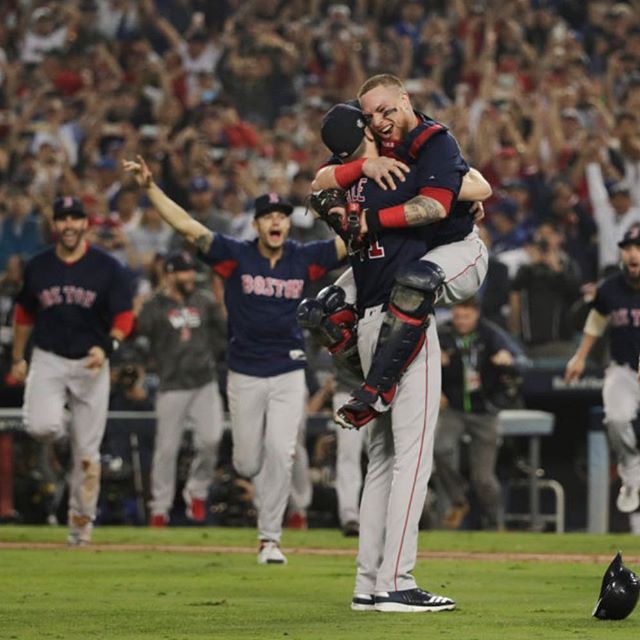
(619, 592)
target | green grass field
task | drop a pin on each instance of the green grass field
(101, 593)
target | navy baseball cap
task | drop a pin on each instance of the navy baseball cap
(199, 184)
(68, 206)
(179, 261)
(271, 202)
(631, 236)
(342, 129)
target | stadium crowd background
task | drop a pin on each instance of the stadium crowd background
(224, 100)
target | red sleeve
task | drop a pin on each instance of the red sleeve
(22, 316)
(124, 322)
(443, 196)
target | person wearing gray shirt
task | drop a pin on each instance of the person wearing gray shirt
(184, 329)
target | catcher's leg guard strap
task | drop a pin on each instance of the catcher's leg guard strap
(403, 329)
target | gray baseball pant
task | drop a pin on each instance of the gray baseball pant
(265, 417)
(621, 398)
(400, 464)
(201, 410)
(52, 382)
(348, 466)
(483, 430)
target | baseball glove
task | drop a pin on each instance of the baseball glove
(346, 225)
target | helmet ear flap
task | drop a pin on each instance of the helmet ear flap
(619, 592)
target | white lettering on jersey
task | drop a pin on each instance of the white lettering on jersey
(625, 317)
(68, 294)
(271, 287)
(354, 193)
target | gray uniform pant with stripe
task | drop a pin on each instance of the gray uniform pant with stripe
(266, 414)
(52, 382)
(201, 410)
(348, 466)
(621, 398)
(400, 464)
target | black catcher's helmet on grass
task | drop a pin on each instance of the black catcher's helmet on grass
(619, 592)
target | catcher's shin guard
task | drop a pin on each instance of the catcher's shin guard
(402, 334)
(333, 323)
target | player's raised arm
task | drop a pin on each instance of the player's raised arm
(383, 170)
(594, 327)
(171, 212)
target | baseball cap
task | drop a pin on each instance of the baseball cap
(506, 206)
(619, 188)
(68, 206)
(271, 202)
(199, 184)
(631, 236)
(178, 261)
(342, 129)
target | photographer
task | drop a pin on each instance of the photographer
(478, 377)
(542, 295)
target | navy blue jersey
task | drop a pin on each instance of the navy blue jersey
(374, 270)
(617, 299)
(440, 165)
(74, 304)
(264, 336)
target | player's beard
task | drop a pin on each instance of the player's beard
(70, 241)
(185, 289)
(632, 279)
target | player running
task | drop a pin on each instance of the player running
(76, 301)
(617, 304)
(264, 281)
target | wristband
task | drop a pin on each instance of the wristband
(347, 174)
(389, 218)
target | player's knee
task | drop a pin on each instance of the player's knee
(245, 467)
(43, 428)
(416, 288)
(618, 418)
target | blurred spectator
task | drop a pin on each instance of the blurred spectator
(20, 233)
(613, 210)
(542, 295)
(494, 291)
(506, 230)
(477, 374)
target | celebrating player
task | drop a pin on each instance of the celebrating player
(617, 303)
(458, 258)
(184, 328)
(264, 280)
(77, 302)
(390, 273)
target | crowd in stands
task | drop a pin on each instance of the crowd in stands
(224, 100)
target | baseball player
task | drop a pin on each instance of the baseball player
(617, 304)
(185, 330)
(390, 273)
(264, 280)
(458, 255)
(76, 301)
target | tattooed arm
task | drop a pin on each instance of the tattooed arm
(171, 212)
(423, 210)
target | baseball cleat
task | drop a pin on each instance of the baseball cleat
(363, 602)
(351, 529)
(628, 499)
(270, 553)
(412, 601)
(159, 520)
(195, 508)
(80, 529)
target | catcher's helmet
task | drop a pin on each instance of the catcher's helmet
(619, 592)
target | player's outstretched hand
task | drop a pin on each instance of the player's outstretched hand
(385, 171)
(140, 170)
(575, 368)
(95, 358)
